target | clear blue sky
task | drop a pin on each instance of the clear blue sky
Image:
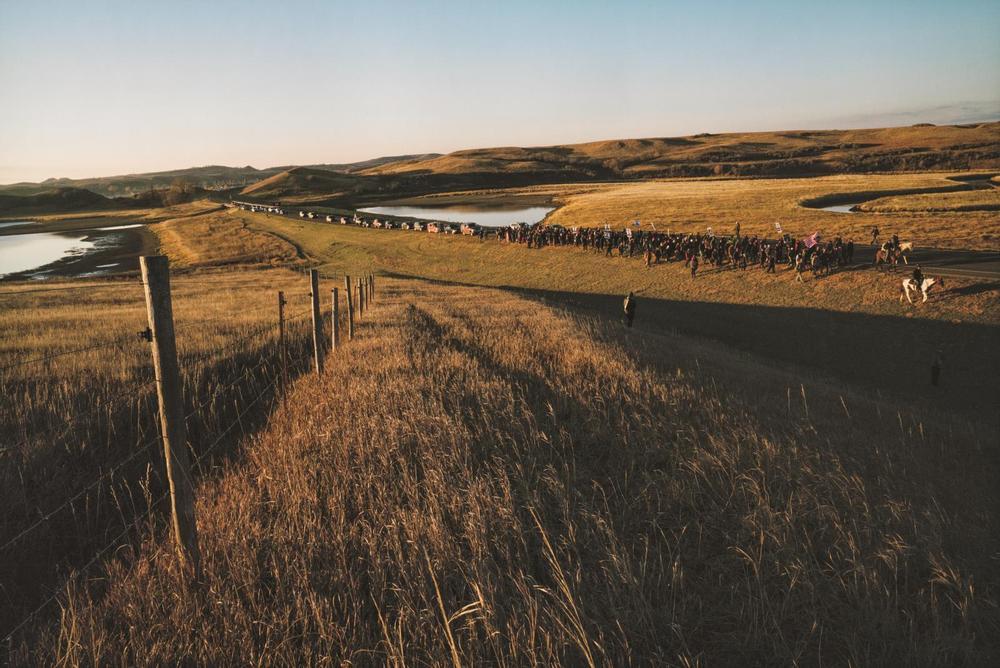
(96, 88)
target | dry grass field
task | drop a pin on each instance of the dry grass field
(221, 238)
(746, 153)
(971, 200)
(850, 325)
(513, 484)
(693, 205)
(79, 400)
(759, 472)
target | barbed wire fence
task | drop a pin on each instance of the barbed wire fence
(191, 415)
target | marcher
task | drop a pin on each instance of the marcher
(875, 234)
(694, 266)
(629, 309)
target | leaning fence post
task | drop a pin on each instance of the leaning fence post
(350, 308)
(317, 322)
(335, 318)
(156, 283)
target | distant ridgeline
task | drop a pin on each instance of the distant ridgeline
(760, 154)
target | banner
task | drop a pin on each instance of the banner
(777, 228)
(811, 240)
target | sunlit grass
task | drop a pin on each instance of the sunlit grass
(483, 479)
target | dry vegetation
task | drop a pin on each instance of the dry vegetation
(221, 238)
(850, 325)
(692, 205)
(971, 200)
(745, 154)
(510, 484)
(79, 401)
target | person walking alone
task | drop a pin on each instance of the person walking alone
(629, 309)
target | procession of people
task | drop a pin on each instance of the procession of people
(695, 249)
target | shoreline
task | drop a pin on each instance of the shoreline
(124, 254)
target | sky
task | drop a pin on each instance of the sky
(100, 88)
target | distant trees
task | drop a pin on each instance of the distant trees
(180, 191)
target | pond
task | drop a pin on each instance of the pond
(490, 216)
(843, 208)
(76, 253)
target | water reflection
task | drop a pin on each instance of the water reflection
(483, 215)
(21, 252)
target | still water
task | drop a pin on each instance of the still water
(492, 216)
(88, 252)
(842, 208)
(21, 252)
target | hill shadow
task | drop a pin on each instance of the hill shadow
(891, 354)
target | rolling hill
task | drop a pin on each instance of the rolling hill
(758, 154)
(301, 181)
(210, 177)
(53, 200)
(913, 148)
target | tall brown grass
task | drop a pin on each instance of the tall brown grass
(481, 478)
(79, 451)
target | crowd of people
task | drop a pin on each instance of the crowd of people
(734, 251)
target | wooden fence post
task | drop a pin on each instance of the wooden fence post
(373, 285)
(284, 348)
(361, 299)
(350, 308)
(335, 318)
(317, 322)
(156, 283)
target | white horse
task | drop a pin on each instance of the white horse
(910, 285)
(904, 251)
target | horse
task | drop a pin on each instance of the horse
(904, 251)
(910, 285)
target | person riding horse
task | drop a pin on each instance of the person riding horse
(918, 276)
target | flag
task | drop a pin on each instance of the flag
(811, 240)
(777, 228)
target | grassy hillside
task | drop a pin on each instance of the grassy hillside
(695, 205)
(510, 484)
(973, 200)
(743, 154)
(222, 239)
(52, 201)
(850, 325)
(300, 184)
(212, 177)
(79, 406)
(793, 153)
